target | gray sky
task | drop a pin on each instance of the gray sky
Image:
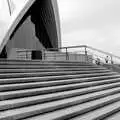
(91, 22)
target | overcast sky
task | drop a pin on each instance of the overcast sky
(91, 22)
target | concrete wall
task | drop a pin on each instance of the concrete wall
(23, 54)
(61, 56)
(25, 37)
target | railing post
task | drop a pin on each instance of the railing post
(67, 57)
(75, 56)
(44, 54)
(111, 60)
(86, 57)
(55, 55)
(26, 55)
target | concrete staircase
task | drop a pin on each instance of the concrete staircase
(42, 90)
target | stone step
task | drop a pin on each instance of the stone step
(58, 73)
(54, 89)
(27, 101)
(90, 112)
(114, 114)
(106, 113)
(47, 70)
(61, 109)
(22, 86)
(48, 64)
(45, 63)
(43, 67)
(93, 76)
(44, 90)
(42, 61)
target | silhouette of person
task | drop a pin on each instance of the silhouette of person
(106, 59)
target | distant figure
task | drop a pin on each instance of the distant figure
(98, 61)
(106, 59)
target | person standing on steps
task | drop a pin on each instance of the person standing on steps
(106, 60)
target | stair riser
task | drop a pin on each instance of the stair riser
(108, 115)
(20, 75)
(87, 110)
(52, 78)
(50, 99)
(43, 67)
(41, 62)
(47, 70)
(40, 85)
(54, 108)
(45, 64)
(40, 92)
(28, 83)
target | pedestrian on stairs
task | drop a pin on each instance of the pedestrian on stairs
(106, 59)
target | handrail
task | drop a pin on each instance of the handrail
(28, 50)
(86, 51)
(107, 53)
(87, 47)
(80, 46)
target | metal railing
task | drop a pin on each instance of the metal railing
(75, 53)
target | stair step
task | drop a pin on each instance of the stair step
(83, 111)
(22, 86)
(63, 77)
(53, 89)
(112, 115)
(111, 111)
(89, 116)
(61, 109)
(101, 111)
(42, 62)
(57, 90)
(58, 73)
(27, 101)
(48, 70)
(43, 67)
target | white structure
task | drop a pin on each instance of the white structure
(34, 25)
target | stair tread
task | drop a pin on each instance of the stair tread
(63, 75)
(54, 78)
(43, 62)
(48, 65)
(58, 113)
(57, 83)
(43, 70)
(51, 72)
(55, 89)
(82, 81)
(59, 95)
(94, 114)
(115, 116)
(33, 90)
(6, 71)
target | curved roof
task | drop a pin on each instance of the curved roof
(18, 15)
